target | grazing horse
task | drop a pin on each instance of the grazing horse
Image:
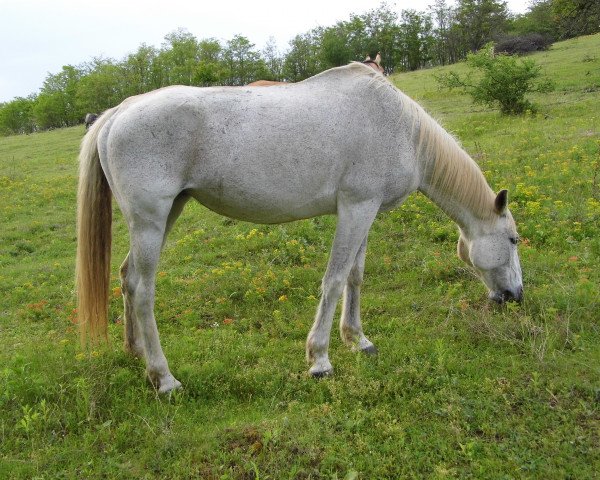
(89, 120)
(344, 142)
(265, 83)
(374, 64)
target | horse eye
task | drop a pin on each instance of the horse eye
(514, 240)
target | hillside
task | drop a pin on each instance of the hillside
(460, 388)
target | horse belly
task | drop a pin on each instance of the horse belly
(264, 198)
(257, 166)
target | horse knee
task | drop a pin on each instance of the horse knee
(355, 279)
(332, 287)
(127, 280)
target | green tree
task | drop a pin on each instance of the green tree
(179, 58)
(538, 19)
(503, 81)
(16, 116)
(358, 38)
(302, 59)
(49, 111)
(480, 21)
(243, 64)
(210, 69)
(142, 70)
(576, 17)
(56, 105)
(382, 34)
(416, 39)
(273, 60)
(446, 44)
(106, 85)
(334, 50)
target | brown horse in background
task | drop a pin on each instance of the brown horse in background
(374, 64)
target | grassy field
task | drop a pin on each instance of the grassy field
(460, 388)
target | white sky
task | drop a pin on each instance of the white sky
(38, 37)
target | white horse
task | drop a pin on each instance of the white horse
(344, 142)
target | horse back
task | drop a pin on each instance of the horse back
(264, 155)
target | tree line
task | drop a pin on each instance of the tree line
(442, 34)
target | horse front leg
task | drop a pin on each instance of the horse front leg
(350, 326)
(354, 221)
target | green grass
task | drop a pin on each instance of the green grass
(460, 389)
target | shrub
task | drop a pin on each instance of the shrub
(522, 44)
(503, 82)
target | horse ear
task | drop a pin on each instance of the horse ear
(368, 59)
(378, 59)
(501, 202)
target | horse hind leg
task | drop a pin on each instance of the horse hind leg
(148, 229)
(350, 326)
(132, 339)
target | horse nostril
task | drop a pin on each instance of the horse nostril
(516, 295)
(519, 295)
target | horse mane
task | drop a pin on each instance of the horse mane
(449, 170)
(454, 176)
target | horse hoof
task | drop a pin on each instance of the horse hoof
(371, 350)
(169, 385)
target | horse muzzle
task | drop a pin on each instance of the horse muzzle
(507, 295)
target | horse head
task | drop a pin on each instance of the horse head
(491, 249)
(374, 64)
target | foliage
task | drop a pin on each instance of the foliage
(407, 40)
(576, 17)
(520, 45)
(539, 19)
(102, 88)
(243, 64)
(560, 19)
(479, 21)
(16, 116)
(273, 61)
(415, 40)
(56, 105)
(460, 388)
(504, 81)
(334, 48)
(142, 71)
(302, 60)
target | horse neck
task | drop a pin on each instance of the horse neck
(451, 179)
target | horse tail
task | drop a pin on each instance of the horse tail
(94, 235)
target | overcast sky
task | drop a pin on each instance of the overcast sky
(38, 37)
